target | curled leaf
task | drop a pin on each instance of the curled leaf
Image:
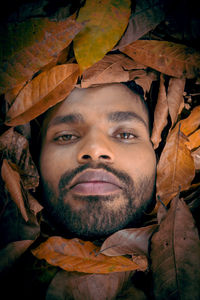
(166, 57)
(44, 91)
(160, 114)
(175, 255)
(105, 21)
(191, 123)
(194, 140)
(80, 256)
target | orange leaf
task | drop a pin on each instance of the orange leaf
(194, 140)
(191, 123)
(166, 57)
(160, 114)
(112, 68)
(12, 181)
(175, 170)
(44, 91)
(81, 256)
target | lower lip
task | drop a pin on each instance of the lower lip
(95, 188)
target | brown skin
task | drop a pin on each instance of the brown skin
(118, 145)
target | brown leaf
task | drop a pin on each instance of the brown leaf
(12, 252)
(175, 255)
(80, 256)
(144, 80)
(78, 286)
(12, 182)
(112, 68)
(166, 57)
(44, 91)
(160, 114)
(175, 97)
(32, 44)
(191, 123)
(175, 170)
(196, 157)
(132, 241)
(15, 147)
(194, 140)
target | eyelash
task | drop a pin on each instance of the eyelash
(63, 140)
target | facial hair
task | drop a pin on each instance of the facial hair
(93, 218)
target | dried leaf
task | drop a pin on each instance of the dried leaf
(166, 57)
(12, 252)
(112, 68)
(175, 170)
(145, 80)
(194, 140)
(175, 97)
(191, 123)
(80, 256)
(15, 147)
(30, 45)
(147, 15)
(132, 241)
(175, 255)
(78, 286)
(44, 91)
(12, 94)
(160, 114)
(196, 157)
(12, 182)
(105, 21)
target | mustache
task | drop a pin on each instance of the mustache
(68, 176)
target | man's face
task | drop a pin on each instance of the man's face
(97, 163)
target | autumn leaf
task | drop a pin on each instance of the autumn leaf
(132, 241)
(30, 45)
(80, 256)
(175, 255)
(191, 123)
(44, 91)
(112, 68)
(144, 79)
(175, 170)
(105, 22)
(194, 140)
(160, 114)
(12, 182)
(79, 286)
(196, 157)
(166, 57)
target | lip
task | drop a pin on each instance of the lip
(95, 182)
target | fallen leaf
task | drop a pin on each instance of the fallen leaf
(145, 80)
(175, 97)
(160, 114)
(112, 68)
(30, 45)
(44, 91)
(146, 16)
(175, 255)
(74, 285)
(10, 95)
(166, 57)
(105, 22)
(191, 123)
(194, 140)
(77, 255)
(196, 157)
(12, 182)
(175, 170)
(132, 241)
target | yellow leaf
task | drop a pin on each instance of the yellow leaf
(44, 91)
(166, 57)
(105, 22)
(175, 170)
(12, 181)
(80, 256)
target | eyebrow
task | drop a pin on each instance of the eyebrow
(117, 116)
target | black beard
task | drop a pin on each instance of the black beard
(93, 219)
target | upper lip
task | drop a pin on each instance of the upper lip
(93, 176)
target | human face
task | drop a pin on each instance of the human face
(97, 163)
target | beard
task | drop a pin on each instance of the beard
(97, 215)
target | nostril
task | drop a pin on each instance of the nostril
(105, 157)
(86, 156)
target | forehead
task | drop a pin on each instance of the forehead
(99, 101)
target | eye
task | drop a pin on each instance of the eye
(64, 138)
(126, 136)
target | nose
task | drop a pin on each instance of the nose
(95, 148)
